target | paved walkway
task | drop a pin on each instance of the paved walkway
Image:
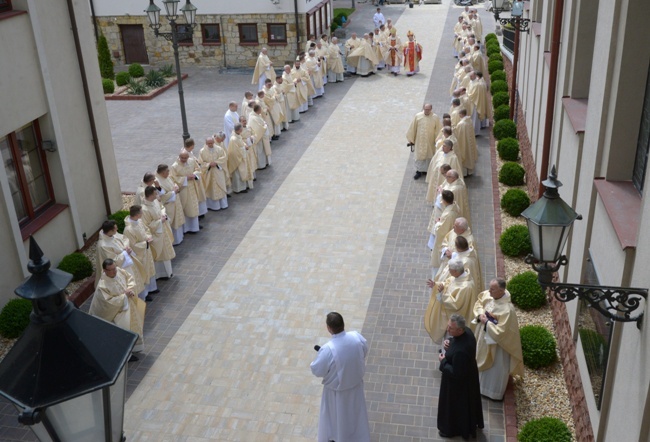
(337, 223)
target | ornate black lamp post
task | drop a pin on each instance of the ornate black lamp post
(65, 375)
(519, 24)
(171, 11)
(549, 223)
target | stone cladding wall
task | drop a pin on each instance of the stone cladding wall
(237, 55)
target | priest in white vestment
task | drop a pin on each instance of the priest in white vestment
(421, 135)
(140, 241)
(498, 343)
(335, 68)
(341, 363)
(263, 69)
(154, 217)
(169, 200)
(115, 301)
(229, 120)
(185, 175)
(214, 158)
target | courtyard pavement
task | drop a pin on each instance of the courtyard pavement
(337, 223)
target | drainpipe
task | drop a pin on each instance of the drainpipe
(295, 6)
(94, 17)
(552, 89)
(89, 106)
(223, 42)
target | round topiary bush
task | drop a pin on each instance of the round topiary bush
(538, 346)
(491, 36)
(108, 85)
(499, 99)
(508, 149)
(14, 317)
(502, 113)
(498, 86)
(504, 129)
(136, 70)
(515, 201)
(495, 66)
(122, 78)
(78, 265)
(495, 57)
(525, 291)
(512, 174)
(492, 51)
(498, 75)
(545, 429)
(515, 241)
(118, 217)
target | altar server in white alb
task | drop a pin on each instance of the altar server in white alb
(341, 363)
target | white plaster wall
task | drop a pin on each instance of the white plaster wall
(137, 7)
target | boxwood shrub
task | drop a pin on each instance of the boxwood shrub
(495, 57)
(122, 78)
(515, 201)
(508, 149)
(538, 346)
(495, 66)
(108, 85)
(491, 36)
(525, 291)
(498, 75)
(499, 99)
(512, 174)
(504, 129)
(544, 429)
(136, 70)
(118, 217)
(501, 113)
(14, 317)
(498, 86)
(515, 241)
(78, 265)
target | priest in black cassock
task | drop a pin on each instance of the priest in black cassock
(459, 407)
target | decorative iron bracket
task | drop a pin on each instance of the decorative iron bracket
(621, 304)
(520, 24)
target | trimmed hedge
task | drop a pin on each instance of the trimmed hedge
(136, 70)
(515, 241)
(499, 99)
(78, 265)
(495, 57)
(498, 86)
(122, 78)
(501, 113)
(525, 291)
(512, 174)
(538, 346)
(108, 85)
(14, 317)
(504, 129)
(491, 36)
(515, 201)
(508, 149)
(544, 429)
(498, 75)
(495, 66)
(118, 217)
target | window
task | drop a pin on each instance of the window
(26, 167)
(185, 34)
(643, 144)
(277, 32)
(248, 34)
(5, 5)
(211, 34)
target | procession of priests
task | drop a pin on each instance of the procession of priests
(207, 175)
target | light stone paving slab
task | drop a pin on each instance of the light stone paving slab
(238, 368)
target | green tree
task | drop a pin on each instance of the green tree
(105, 62)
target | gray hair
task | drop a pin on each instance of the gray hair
(459, 320)
(500, 282)
(221, 134)
(461, 223)
(456, 265)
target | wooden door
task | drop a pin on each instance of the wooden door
(135, 50)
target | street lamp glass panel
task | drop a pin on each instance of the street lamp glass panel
(517, 9)
(153, 14)
(189, 11)
(171, 8)
(547, 241)
(118, 395)
(498, 5)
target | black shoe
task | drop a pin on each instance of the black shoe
(148, 298)
(200, 226)
(133, 358)
(441, 434)
(417, 175)
(275, 137)
(228, 196)
(202, 216)
(154, 292)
